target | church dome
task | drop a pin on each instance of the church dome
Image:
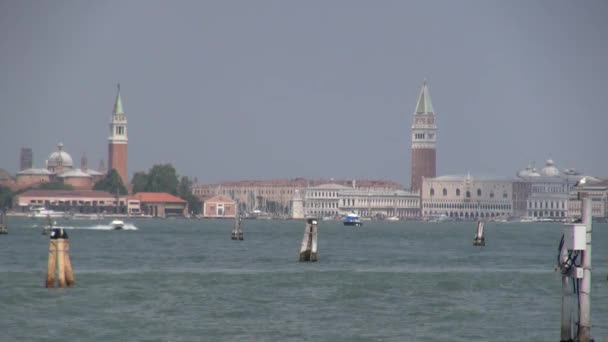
(60, 157)
(528, 172)
(549, 170)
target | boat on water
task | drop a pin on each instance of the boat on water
(392, 218)
(438, 218)
(117, 224)
(479, 239)
(42, 212)
(352, 219)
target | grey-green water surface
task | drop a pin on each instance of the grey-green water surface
(185, 280)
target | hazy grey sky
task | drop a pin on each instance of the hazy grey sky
(230, 90)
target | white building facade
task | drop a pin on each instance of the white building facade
(466, 197)
(549, 190)
(333, 200)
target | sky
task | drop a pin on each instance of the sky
(238, 89)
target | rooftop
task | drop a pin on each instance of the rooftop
(66, 193)
(157, 197)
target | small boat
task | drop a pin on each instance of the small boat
(117, 224)
(392, 218)
(352, 219)
(479, 239)
(38, 212)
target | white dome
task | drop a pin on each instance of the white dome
(528, 172)
(60, 157)
(549, 170)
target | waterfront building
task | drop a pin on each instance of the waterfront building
(467, 197)
(276, 196)
(297, 206)
(117, 146)
(376, 203)
(161, 204)
(25, 159)
(219, 206)
(549, 190)
(323, 200)
(76, 201)
(424, 140)
(598, 191)
(335, 200)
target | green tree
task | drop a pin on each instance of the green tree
(140, 182)
(184, 190)
(54, 186)
(6, 197)
(111, 183)
(162, 178)
(184, 187)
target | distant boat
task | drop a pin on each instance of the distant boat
(117, 224)
(352, 219)
(392, 218)
(41, 212)
(439, 218)
(479, 239)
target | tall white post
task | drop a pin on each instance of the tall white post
(584, 332)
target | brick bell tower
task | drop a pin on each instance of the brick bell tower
(117, 147)
(424, 140)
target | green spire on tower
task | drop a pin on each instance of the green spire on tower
(118, 104)
(424, 104)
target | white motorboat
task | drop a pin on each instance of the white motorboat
(41, 212)
(117, 224)
(392, 218)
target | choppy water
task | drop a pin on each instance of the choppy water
(180, 280)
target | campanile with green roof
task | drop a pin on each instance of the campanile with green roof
(424, 140)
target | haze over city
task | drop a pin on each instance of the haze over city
(270, 89)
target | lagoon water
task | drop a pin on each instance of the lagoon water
(185, 280)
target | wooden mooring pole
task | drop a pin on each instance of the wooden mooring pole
(3, 222)
(59, 265)
(308, 249)
(237, 231)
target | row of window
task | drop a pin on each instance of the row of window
(547, 204)
(467, 193)
(350, 202)
(488, 206)
(48, 203)
(323, 194)
(474, 214)
(321, 204)
(547, 213)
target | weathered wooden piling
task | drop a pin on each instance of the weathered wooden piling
(308, 249)
(3, 222)
(59, 265)
(479, 239)
(237, 231)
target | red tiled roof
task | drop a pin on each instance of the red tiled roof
(157, 197)
(67, 193)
